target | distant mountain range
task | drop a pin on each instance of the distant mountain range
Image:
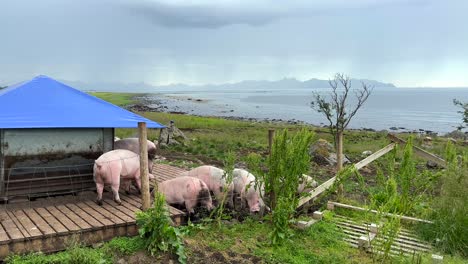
(286, 83)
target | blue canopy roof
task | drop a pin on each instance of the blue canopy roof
(46, 103)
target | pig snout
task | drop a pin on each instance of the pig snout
(255, 208)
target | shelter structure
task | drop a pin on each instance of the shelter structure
(50, 135)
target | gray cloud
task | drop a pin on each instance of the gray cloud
(199, 17)
(214, 14)
(421, 42)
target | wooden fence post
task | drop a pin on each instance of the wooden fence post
(145, 194)
(271, 135)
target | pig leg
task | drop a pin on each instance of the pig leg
(190, 204)
(138, 183)
(230, 200)
(115, 191)
(126, 184)
(99, 189)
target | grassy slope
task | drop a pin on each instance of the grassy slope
(119, 99)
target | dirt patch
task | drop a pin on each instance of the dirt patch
(141, 257)
(206, 256)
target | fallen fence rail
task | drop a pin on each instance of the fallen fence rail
(326, 185)
(420, 152)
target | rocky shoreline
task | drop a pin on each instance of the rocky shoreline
(146, 103)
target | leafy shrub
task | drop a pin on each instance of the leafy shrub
(155, 228)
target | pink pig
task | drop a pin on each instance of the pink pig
(188, 191)
(244, 184)
(133, 145)
(113, 167)
(215, 179)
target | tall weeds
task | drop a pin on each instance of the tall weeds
(229, 163)
(450, 209)
(289, 159)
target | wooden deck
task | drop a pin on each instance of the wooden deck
(51, 224)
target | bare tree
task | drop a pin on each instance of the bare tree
(336, 110)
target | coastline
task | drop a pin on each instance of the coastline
(181, 105)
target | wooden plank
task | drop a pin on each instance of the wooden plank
(121, 211)
(317, 191)
(95, 214)
(64, 219)
(3, 235)
(130, 205)
(175, 212)
(51, 220)
(127, 208)
(10, 227)
(45, 228)
(357, 228)
(399, 247)
(27, 224)
(85, 216)
(18, 224)
(106, 213)
(74, 217)
(419, 151)
(374, 156)
(136, 203)
(375, 212)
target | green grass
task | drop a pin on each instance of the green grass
(118, 246)
(321, 243)
(120, 99)
(74, 255)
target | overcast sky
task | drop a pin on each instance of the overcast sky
(406, 42)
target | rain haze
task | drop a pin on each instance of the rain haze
(408, 43)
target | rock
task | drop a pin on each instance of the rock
(366, 153)
(366, 170)
(322, 153)
(332, 159)
(171, 136)
(454, 141)
(431, 165)
(427, 139)
(121, 261)
(394, 128)
(457, 134)
(97, 245)
(427, 142)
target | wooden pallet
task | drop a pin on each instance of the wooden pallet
(406, 243)
(53, 223)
